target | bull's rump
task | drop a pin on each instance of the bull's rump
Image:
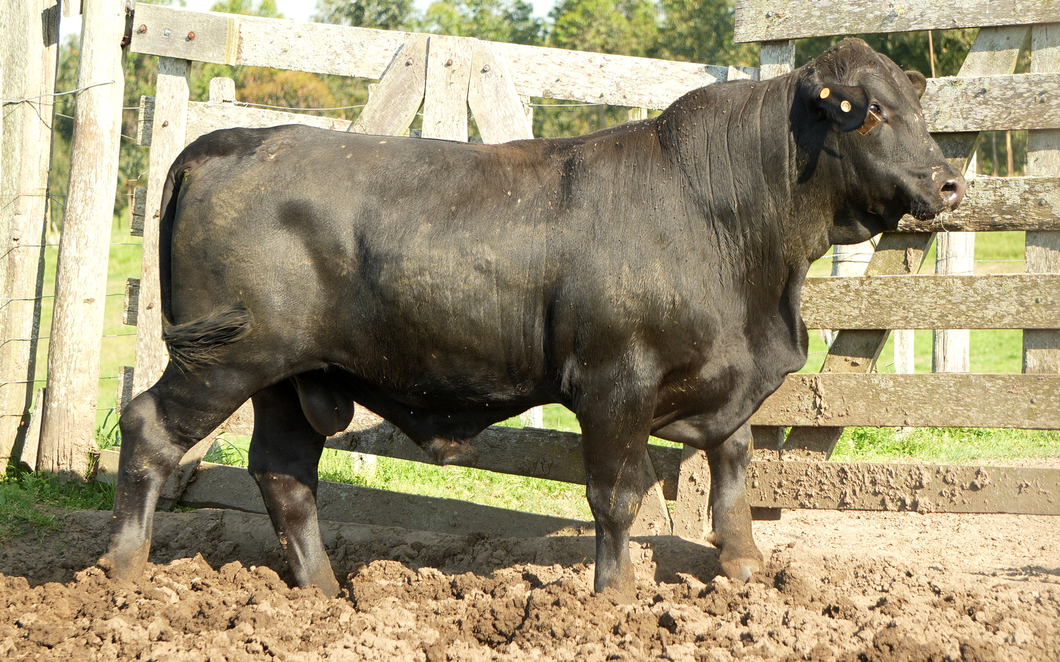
(346, 251)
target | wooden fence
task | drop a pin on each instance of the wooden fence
(449, 75)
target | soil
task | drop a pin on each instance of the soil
(836, 586)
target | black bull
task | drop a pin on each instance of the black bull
(646, 276)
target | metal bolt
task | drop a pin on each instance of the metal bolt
(143, 29)
(166, 32)
(449, 62)
(165, 123)
(408, 62)
(486, 69)
(191, 36)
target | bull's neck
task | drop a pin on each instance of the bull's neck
(734, 145)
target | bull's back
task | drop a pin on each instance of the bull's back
(379, 254)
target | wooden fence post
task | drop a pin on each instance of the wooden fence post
(849, 260)
(68, 426)
(445, 96)
(167, 140)
(1041, 349)
(955, 256)
(33, 52)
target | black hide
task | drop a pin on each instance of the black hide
(646, 276)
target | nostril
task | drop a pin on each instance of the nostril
(952, 192)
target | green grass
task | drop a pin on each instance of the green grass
(944, 445)
(25, 500)
(118, 341)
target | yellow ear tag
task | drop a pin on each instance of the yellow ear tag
(845, 106)
(871, 120)
(825, 92)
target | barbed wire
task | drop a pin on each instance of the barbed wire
(55, 94)
(294, 108)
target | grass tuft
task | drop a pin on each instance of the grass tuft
(25, 499)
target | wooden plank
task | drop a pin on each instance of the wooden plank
(619, 80)
(219, 486)
(394, 102)
(206, 117)
(188, 35)
(533, 452)
(766, 20)
(1041, 349)
(145, 121)
(132, 302)
(692, 510)
(125, 389)
(493, 99)
(1000, 301)
(363, 52)
(31, 443)
(168, 139)
(68, 427)
(955, 256)
(222, 90)
(904, 487)
(992, 103)
(999, 203)
(445, 95)
(28, 64)
(139, 210)
(932, 400)
(777, 58)
(653, 518)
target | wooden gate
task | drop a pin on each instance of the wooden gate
(448, 75)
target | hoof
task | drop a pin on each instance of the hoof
(125, 566)
(740, 565)
(741, 570)
(329, 586)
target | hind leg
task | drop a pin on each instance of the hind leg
(284, 453)
(157, 428)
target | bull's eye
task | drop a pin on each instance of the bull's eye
(872, 118)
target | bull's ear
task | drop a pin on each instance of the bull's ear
(918, 81)
(844, 105)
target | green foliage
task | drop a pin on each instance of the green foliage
(107, 433)
(944, 445)
(909, 50)
(383, 14)
(509, 21)
(230, 450)
(622, 27)
(17, 510)
(26, 497)
(264, 8)
(701, 31)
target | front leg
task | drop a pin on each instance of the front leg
(729, 507)
(730, 511)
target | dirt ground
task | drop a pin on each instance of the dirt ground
(837, 586)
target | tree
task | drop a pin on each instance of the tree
(620, 27)
(509, 21)
(382, 14)
(702, 31)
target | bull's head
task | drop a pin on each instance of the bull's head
(862, 139)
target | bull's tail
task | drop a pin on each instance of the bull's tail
(198, 342)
